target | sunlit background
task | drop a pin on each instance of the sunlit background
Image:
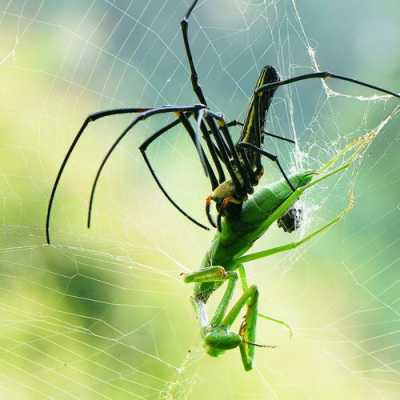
(103, 313)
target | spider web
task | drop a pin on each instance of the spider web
(104, 313)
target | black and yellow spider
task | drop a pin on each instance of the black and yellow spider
(233, 169)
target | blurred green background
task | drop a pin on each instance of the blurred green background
(104, 314)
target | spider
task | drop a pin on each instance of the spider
(233, 169)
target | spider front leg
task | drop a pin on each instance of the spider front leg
(264, 132)
(193, 73)
(324, 75)
(272, 157)
(143, 116)
(144, 113)
(91, 118)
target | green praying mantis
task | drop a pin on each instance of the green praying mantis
(225, 259)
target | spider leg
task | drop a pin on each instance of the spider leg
(214, 182)
(211, 175)
(91, 118)
(221, 146)
(238, 123)
(324, 75)
(271, 157)
(244, 173)
(253, 176)
(143, 147)
(215, 153)
(199, 93)
(259, 137)
(193, 73)
(141, 117)
(245, 170)
(185, 122)
(225, 203)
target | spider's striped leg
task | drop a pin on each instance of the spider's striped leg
(91, 118)
(324, 75)
(271, 157)
(238, 123)
(143, 116)
(193, 73)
